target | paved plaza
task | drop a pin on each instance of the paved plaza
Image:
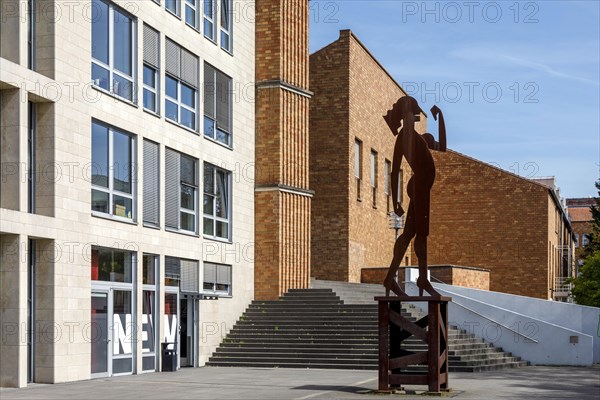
(281, 384)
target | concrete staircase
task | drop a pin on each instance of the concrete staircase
(314, 328)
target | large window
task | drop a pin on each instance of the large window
(151, 68)
(209, 19)
(217, 279)
(226, 20)
(113, 55)
(181, 197)
(112, 172)
(181, 86)
(191, 13)
(217, 105)
(217, 202)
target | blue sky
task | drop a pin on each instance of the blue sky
(519, 82)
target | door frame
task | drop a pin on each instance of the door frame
(107, 293)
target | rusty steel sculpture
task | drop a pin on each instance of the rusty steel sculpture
(393, 327)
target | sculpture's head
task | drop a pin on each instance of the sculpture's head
(405, 112)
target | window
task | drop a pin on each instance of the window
(151, 195)
(181, 197)
(386, 184)
(31, 158)
(209, 19)
(172, 6)
(151, 67)
(374, 176)
(191, 13)
(149, 311)
(217, 202)
(217, 279)
(576, 236)
(217, 105)
(181, 81)
(183, 273)
(585, 240)
(111, 170)
(113, 41)
(112, 265)
(357, 165)
(31, 34)
(226, 20)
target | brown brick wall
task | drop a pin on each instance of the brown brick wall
(283, 204)
(484, 217)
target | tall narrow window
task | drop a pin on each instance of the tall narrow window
(31, 339)
(181, 81)
(111, 172)
(191, 13)
(217, 202)
(181, 191)
(113, 58)
(374, 176)
(31, 16)
(217, 279)
(173, 6)
(31, 158)
(151, 68)
(209, 19)
(226, 13)
(358, 165)
(150, 275)
(151, 171)
(386, 183)
(217, 105)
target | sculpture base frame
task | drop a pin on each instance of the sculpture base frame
(431, 329)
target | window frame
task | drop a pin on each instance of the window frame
(179, 103)
(195, 189)
(211, 19)
(358, 160)
(229, 197)
(155, 315)
(220, 293)
(228, 32)
(195, 7)
(112, 70)
(177, 12)
(110, 190)
(152, 90)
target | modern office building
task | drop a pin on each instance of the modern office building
(127, 191)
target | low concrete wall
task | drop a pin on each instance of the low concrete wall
(539, 331)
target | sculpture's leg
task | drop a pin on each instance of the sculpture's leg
(399, 250)
(421, 252)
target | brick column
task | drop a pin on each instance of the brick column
(283, 198)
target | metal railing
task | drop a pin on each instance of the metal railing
(561, 286)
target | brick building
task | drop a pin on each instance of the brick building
(483, 216)
(282, 195)
(581, 219)
(351, 149)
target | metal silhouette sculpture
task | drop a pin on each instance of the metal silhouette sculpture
(415, 148)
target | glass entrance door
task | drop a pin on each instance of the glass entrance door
(99, 334)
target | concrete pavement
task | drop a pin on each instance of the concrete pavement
(303, 384)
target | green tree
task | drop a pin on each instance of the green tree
(594, 236)
(586, 287)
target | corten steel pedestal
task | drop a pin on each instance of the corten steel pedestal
(432, 329)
